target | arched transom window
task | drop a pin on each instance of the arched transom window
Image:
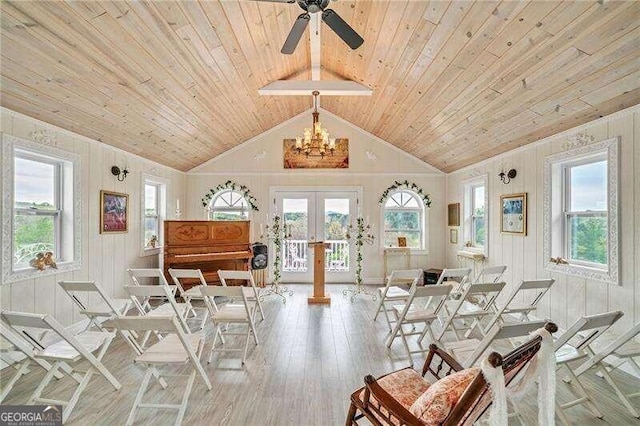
(228, 205)
(404, 218)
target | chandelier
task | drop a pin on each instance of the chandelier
(315, 141)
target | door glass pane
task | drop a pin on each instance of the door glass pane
(336, 220)
(296, 217)
(34, 184)
(589, 187)
(588, 239)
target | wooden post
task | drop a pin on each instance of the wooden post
(319, 295)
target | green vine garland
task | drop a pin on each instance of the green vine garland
(251, 200)
(426, 199)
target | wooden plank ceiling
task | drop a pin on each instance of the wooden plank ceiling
(454, 82)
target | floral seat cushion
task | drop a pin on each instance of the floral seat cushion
(435, 404)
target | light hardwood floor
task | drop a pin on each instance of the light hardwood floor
(309, 360)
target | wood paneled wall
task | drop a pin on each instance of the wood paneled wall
(105, 257)
(570, 297)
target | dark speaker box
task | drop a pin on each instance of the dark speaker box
(260, 258)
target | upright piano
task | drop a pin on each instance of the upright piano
(206, 245)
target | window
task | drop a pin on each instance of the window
(585, 212)
(581, 211)
(229, 205)
(404, 217)
(153, 213)
(37, 207)
(478, 230)
(475, 214)
(43, 211)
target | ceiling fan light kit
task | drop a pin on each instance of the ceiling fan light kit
(329, 16)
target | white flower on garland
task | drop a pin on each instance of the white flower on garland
(426, 199)
(251, 200)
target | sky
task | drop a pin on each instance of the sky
(589, 187)
(33, 181)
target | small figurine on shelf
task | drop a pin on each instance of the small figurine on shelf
(42, 260)
(49, 260)
(153, 241)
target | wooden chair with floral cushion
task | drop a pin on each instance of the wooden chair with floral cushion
(457, 397)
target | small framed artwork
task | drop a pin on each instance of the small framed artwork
(453, 236)
(454, 214)
(114, 211)
(402, 241)
(514, 214)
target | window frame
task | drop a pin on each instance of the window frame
(423, 220)
(468, 209)
(556, 198)
(567, 213)
(161, 185)
(67, 216)
(217, 195)
(474, 217)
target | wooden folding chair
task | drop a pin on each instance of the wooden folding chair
(141, 296)
(573, 345)
(251, 292)
(69, 350)
(538, 287)
(176, 348)
(393, 293)
(193, 293)
(469, 351)
(230, 314)
(409, 314)
(103, 309)
(624, 349)
(465, 308)
(25, 344)
(387, 400)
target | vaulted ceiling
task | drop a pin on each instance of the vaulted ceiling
(453, 82)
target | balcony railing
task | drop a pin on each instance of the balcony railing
(295, 256)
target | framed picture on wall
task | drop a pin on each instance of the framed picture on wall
(514, 214)
(453, 236)
(454, 214)
(402, 241)
(114, 211)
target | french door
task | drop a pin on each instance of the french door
(317, 216)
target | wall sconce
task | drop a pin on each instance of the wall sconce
(506, 178)
(120, 175)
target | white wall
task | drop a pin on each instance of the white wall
(570, 297)
(105, 257)
(374, 176)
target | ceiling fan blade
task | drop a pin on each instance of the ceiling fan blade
(296, 34)
(342, 29)
(278, 1)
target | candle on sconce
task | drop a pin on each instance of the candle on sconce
(261, 233)
(178, 204)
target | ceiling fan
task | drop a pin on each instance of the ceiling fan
(333, 20)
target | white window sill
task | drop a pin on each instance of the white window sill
(29, 272)
(150, 252)
(582, 271)
(412, 251)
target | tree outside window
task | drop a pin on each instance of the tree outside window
(404, 217)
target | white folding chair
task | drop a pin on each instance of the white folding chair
(465, 308)
(142, 276)
(490, 274)
(538, 287)
(26, 344)
(70, 349)
(194, 292)
(104, 308)
(251, 292)
(393, 293)
(469, 351)
(409, 314)
(573, 345)
(229, 314)
(141, 296)
(176, 348)
(624, 349)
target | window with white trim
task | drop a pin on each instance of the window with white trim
(228, 205)
(475, 214)
(404, 217)
(153, 213)
(581, 211)
(41, 184)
